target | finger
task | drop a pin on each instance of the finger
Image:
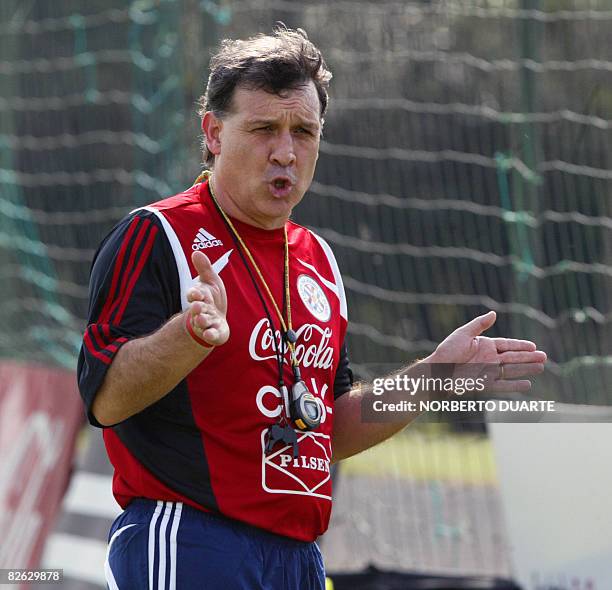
(199, 294)
(522, 370)
(213, 333)
(510, 386)
(202, 322)
(537, 356)
(205, 320)
(209, 309)
(504, 344)
(205, 306)
(194, 294)
(195, 308)
(204, 267)
(479, 324)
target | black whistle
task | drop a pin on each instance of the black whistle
(284, 434)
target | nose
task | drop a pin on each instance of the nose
(283, 153)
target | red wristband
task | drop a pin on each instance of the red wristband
(193, 334)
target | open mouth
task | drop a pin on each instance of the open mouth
(281, 186)
(280, 183)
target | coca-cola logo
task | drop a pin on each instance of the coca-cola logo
(312, 348)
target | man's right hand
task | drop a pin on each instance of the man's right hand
(208, 303)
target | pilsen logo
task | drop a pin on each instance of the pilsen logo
(311, 349)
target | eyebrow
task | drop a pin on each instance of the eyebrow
(260, 121)
(252, 122)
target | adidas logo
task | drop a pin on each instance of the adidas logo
(205, 240)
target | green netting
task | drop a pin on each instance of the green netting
(92, 117)
(465, 166)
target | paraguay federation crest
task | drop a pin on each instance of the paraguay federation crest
(314, 298)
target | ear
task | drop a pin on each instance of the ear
(211, 127)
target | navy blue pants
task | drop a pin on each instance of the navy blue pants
(171, 546)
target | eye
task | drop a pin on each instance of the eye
(303, 130)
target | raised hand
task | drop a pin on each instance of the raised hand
(208, 303)
(512, 359)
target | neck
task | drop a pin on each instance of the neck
(231, 208)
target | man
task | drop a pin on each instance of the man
(221, 385)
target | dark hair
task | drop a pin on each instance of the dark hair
(284, 60)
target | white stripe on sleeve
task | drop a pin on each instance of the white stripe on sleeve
(336, 271)
(180, 259)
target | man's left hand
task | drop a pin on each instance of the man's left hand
(514, 358)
